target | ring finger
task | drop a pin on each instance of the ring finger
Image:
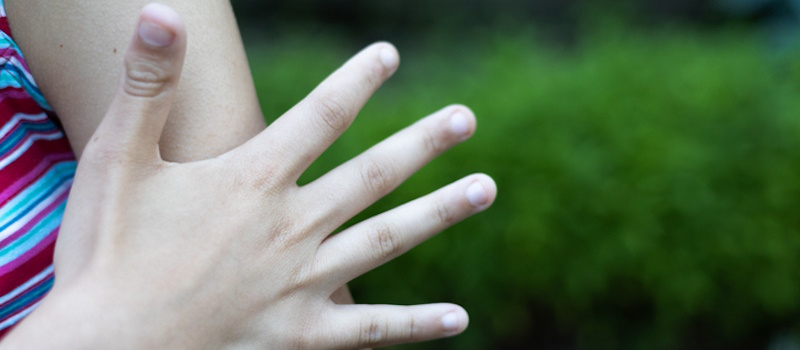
(375, 241)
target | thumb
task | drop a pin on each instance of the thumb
(147, 88)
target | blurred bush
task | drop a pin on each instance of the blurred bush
(649, 186)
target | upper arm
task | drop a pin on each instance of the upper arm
(75, 50)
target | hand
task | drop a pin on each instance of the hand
(231, 252)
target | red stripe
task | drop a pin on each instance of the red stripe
(12, 106)
(26, 122)
(22, 182)
(31, 302)
(31, 158)
(23, 273)
(15, 101)
(13, 93)
(4, 26)
(22, 294)
(24, 164)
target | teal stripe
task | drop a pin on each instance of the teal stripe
(8, 80)
(15, 73)
(37, 233)
(29, 86)
(21, 132)
(45, 197)
(6, 42)
(36, 193)
(26, 299)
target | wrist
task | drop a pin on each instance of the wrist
(78, 317)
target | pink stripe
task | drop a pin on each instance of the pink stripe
(25, 229)
(46, 163)
(15, 94)
(31, 253)
(15, 54)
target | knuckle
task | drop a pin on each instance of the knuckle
(244, 177)
(287, 236)
(433, 144)
(144, 78)
(443, 213)
(333, 113)
(412, 328)
(261, 180)
(376, 73)
(377, 177)
(385, 241)
(373, 332)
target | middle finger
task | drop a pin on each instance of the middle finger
(356, 184)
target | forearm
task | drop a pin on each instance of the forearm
(75, 49)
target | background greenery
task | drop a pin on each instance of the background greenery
(648, 163)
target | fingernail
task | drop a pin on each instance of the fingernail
(450, 322)
(459, 124)
(388, 57)
(155, 35)
(476, 194)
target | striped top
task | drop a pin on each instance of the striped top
(36, 170)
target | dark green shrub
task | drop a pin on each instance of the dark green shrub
(649, 187)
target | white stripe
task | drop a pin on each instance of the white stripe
(28, 143)
(16, 63)
(41, 231)
(18, 118)
(36, 279)
(11, 321)
(18, 224)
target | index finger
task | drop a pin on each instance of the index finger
(301, 135)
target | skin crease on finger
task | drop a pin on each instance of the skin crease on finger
(210, 254)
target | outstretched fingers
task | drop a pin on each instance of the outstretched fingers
(372, 326)
(140, 107)
(375, 241)
(298, 137)
(358, 183)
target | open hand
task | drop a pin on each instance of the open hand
(230, 252)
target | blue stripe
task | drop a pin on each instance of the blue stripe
(26, 298)
(6, 43)
(7, 80)
(25, 129)
(29, 86)
(28, 199)
(33, 237)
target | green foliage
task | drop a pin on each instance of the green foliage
(648, 186)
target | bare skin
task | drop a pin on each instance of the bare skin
(75, 49)
(230, 252)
